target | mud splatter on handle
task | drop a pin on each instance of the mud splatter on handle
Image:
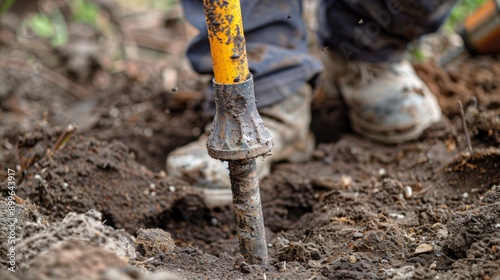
(227, 41)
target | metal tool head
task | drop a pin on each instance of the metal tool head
(238, 131)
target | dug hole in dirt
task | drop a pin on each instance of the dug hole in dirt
(96, 203)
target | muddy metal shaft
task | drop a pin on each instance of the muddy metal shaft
(238, 136)
(248, 210)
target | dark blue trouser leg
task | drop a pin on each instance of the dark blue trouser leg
(371, 30)
(378, 30)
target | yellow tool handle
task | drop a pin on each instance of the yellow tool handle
(227, 41)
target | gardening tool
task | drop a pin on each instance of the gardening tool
(481, 32)
(238, 133)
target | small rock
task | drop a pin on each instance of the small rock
(352, 259)
(442, 233)
(407, 192)
(382, 172)
(424, 248)
(154, 241)
(325, 182)
(396, 216)
(345, 181)
(441, 230)
(314, 264)
(245, 268)
(169, 77)
(282, 241)
(405, 272)
(358, 235)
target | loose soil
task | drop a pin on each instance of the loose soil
(102, 207)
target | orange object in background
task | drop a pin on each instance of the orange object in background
(481, 33)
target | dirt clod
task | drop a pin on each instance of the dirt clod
(476, 229)
(154, 241)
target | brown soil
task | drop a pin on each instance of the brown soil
(101, 207)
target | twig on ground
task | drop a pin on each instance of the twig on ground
(71, 87)
(59, 80)
(145, 261)
(464, 124)
(64, 138)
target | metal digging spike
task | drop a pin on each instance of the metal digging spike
(238, 134)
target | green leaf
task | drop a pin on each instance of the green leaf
(84, 11)
(418, 55)
(42, 25)
(61, 35)
(49, 26)
(460, 12)
(5, 6)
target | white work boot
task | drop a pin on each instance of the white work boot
(387, 102)
(288, 122)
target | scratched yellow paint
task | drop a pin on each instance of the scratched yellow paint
(227, 42)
